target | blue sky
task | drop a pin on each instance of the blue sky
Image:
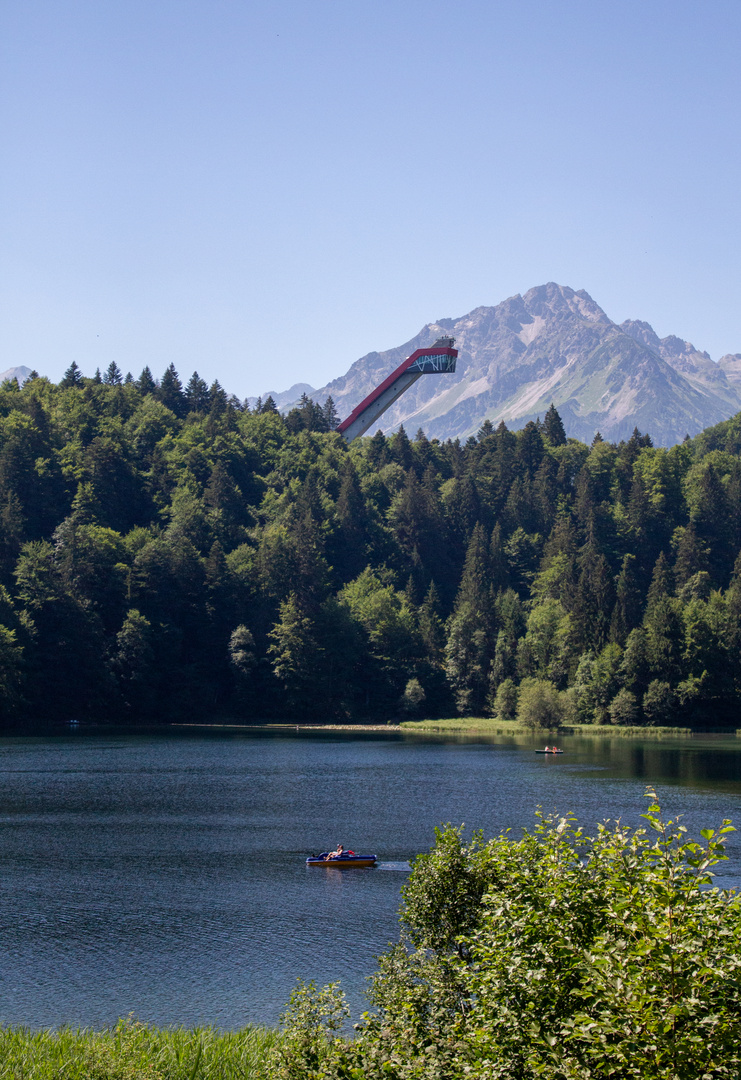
(266, 192)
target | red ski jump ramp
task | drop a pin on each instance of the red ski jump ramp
(439, 359)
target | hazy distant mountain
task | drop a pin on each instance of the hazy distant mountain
(20, 374)
(552, 344)
(285, 398)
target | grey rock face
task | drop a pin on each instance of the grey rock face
(553, 345)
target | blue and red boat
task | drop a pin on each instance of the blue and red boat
(343, 861)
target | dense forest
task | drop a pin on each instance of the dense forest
(168, 553)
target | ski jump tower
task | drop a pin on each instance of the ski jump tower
(437, 360)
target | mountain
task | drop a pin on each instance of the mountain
(20, 374)
(552, 345)
(285, 398)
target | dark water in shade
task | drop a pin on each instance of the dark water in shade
(163, 874)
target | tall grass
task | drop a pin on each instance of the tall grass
(491, 726)
(134, 1051)
(468, 723)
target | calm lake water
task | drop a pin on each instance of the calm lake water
(163, 874)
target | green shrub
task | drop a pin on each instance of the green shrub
(504, 706)
(624, 709)
(559, 957)
(413, 697)
(311, 1024)
(540, 704)
(659, 703)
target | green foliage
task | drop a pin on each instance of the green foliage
(311, 1024)
(413, 697)
(559, 956)
(624, 709)
(504, 705)
(540, 704)
(142, 524)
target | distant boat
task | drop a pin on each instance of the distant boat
(549, 751)
(347, 859)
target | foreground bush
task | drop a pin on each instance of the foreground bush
(557, 956)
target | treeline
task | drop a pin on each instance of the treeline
(167, 552)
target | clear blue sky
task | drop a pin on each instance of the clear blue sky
(265, 192)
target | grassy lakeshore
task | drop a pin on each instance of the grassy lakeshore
(473, 725)
(134, 1051)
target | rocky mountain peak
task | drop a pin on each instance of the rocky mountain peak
(730, 365)
(553, 344)
(642, 332)
(552, 300)
(20, 374)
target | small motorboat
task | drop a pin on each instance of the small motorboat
(549, 751)
(346, 859)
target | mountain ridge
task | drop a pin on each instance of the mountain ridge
(552, 344)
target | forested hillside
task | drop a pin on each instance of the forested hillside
(167, 554)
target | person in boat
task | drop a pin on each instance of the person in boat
(337, 853)
(547, 750)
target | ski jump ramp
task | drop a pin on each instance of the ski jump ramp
(439, 359)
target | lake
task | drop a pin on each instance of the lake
(162, 874)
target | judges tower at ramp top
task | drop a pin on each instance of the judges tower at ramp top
(439, 359)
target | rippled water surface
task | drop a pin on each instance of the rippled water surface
(163, 874)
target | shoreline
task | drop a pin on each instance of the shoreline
(475, 726)
(288, 727)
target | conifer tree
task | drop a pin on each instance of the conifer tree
(471, 630)
(530, 448)
(545, 495)
(665, 637)
(475, 586)
(462, 511)
(498, 565)
(348, 542)
(691, 558)
(72, 376)
(595, 597)
(713, 522)
(378, 451)
(296, 657)
(218, 399)
(733, 602)
(553, 428)
(634, 672)
(196, 394)
(113, 375)
(331, 417)
(401, 449)
(626, 614)
(170, 392)
(662, 581)
(145, 384)
(431, 626)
